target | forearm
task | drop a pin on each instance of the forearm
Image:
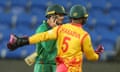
(48, 35)
(92, 56)
(89, 50)
(95, 54)
(38, 38)
(16, 42)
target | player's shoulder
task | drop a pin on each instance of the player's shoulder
(85, 31)
(41, 28)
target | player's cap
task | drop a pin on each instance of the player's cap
(55, 9)
(78, 11)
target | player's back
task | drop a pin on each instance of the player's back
(69, 42)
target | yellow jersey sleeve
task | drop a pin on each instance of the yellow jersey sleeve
(51, 34)
(88, 49)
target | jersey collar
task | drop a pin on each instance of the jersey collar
(75, 24)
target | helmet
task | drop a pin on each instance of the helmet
(78, 11)
(54, 9)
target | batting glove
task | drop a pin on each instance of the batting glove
(30, 60)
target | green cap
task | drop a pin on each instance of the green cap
(55, 9)
(78, 11)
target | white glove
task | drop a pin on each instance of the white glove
(30, 59)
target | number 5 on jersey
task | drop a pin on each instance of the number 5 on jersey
(65, 44)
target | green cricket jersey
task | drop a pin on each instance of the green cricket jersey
(46, 50)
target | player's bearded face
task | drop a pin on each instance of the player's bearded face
(60, 19)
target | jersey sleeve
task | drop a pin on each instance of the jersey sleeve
(48, 35)
(41, 28)
(88, 49)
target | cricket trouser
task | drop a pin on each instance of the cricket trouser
(45, 67)
(68, 66)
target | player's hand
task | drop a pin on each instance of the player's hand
(52, 21)
(30, 60)
(16, 42)
(100, 49)
(12, 42)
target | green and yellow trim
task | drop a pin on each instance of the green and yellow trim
(50, 12)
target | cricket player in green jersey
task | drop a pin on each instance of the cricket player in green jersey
(44, 57)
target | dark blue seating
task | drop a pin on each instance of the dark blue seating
(5, 18)
(5, 31)
(19, 3)
(17, 10)
(1, 9)
(107, 34)
(3, 3)
(94, 4)
(3, 50)
(102, 18)
(20, 53)
(114, 4)
(117, 30)
(24, 19)
(91, 22)
(115, 15)
(38, 3)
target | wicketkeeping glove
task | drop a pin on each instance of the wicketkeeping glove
(16, 42)
(100, 49)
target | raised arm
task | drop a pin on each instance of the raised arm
(16, 42)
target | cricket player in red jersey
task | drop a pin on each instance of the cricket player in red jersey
(72, 42)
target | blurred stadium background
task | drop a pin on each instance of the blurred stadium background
(22, 17)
